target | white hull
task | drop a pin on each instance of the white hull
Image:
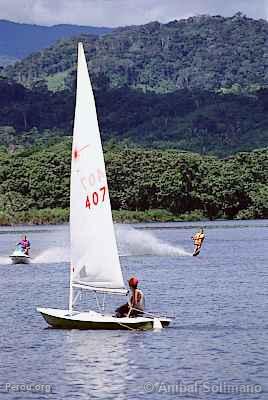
(93, 320)
(20, 259)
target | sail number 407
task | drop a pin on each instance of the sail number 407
(93, 199)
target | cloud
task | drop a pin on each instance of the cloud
(122, 12)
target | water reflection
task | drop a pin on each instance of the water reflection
(96, 364)
(219, 335)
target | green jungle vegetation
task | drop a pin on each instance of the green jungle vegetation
(203, 52)
(199, 85)
(198, 121)
(164, 92)
(149, 185)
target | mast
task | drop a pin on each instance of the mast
(71, 290)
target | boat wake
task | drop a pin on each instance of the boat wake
(139, 243)
(131, 242)
(53, 255)
(5, 260)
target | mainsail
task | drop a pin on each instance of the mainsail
(94, 257)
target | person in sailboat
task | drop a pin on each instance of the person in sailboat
(25, 245)
(198, 239)
(135, 305)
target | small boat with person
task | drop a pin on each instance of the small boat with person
(21, 253)
(95, 266)
(18, 256)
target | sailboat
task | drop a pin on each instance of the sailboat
(95, 264)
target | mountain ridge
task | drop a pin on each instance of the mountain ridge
(18, 40)
(210, 53)
(217, 102)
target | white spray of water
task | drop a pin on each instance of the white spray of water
(137, 242)
(53, 255)
(5, 260)
(131, 242)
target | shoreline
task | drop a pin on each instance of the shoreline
(61, 216)
(58, 216)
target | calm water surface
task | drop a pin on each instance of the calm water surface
(219, 336)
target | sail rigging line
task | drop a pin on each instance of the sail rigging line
(97, 300)
(128, 327)
(121, 292)
(103, 302)
(78, 295)
(71, 291)
(150, 313)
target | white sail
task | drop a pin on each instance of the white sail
(94, 257)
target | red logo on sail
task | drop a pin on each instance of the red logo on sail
(76, 152)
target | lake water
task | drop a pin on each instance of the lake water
(217, 344)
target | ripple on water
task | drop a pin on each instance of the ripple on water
(219, 299)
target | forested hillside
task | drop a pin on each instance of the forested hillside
(211, 53)
(19, 40)
(199, 84)
(139, 180)
(200, 121)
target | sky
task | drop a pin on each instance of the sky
(112, 13)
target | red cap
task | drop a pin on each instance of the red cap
(133, 281)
